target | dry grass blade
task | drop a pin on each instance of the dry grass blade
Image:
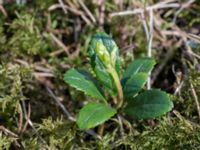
(71, 9)
(20, 124)
(63, 6)
(6, 131)
(195, 99)
(27, 116)
(149, 8)
(150, 42)
(60, 43)
(66, 112)
(87, 11)
(161, 5)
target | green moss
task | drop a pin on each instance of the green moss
(27, 37)
(5, 142)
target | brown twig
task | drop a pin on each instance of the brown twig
(188, 3)
(2, 9)
(56, 6)
(65, 111)
(31, 123)
(20, 124)
(73, 10)
(150, 42)
(5, 130)
(194, 94)
(160, 5)
(63, 6)
(60, 43)
(27, 116)
(43, 74)
(87, 11)
(120, 125)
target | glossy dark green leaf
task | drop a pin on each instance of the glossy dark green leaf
(144, 65)
(94, 114)
(149, 105)
(134, 84)
(84, 82)
(104, 52)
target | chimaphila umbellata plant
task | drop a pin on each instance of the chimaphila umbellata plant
(124, 91)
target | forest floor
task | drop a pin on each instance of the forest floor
(41, 40)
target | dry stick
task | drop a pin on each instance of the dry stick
(20, 120)
(60, 43)
(63, 6)
(55, 6)
(194, 37)
(2, 128)
(76, 12)
(57, 52)
(121, 125)
(161, 5)
(144, 22)
(87, 11)
(60, 105)
(3, 11)
(194, 94)
(73, 6)
(28, 118)
(149, 8)
(90, 132)
(178, 81)
(42, 69)
(86, 19)
(30, 122)
(43, 74)
(151, 28)
(178, 32)
(181, 9)
(21, 62)
(149, 37)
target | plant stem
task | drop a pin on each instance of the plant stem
(118, 86)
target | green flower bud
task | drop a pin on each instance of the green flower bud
(114, 55)
(105, 49)
(104, 59)
(103, 54)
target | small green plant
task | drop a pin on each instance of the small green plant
(115, 93)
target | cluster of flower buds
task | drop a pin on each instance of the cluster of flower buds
(105, 49)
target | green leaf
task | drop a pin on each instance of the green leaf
(104, 53)
(103, 76)
(134, 84)
(144, 65)
(83, 81)
(149, 105)
(93, 114)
